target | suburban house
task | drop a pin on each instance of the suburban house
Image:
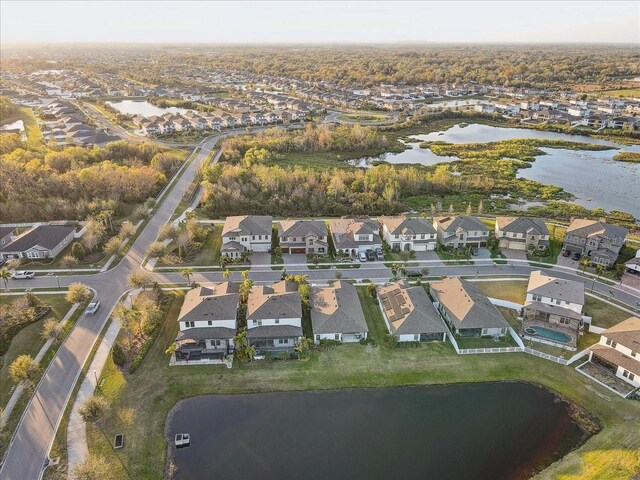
(207, 321)
(336, 313)
(522, 233)
(274, 317)
(466, 310)
(633, 265)
(461, 231)
(7, 234)
(619, 350)
(598, 240)
(246, 234)
(408, 233)
(352, 236)
(553, 309)
(409, 313)
(303, 236)
(42, 241)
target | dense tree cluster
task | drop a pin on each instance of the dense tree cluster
(6, 107)
(42, 183)
(321, 138)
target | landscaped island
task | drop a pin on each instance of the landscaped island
(632, 157)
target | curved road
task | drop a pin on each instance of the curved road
(36, 431)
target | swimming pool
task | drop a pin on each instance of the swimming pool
(548, 334)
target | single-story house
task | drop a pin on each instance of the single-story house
(42, 241)
(409, 313)
(466, 310)
(336, 313)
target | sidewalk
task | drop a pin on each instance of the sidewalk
(77, 449)
(43, 351)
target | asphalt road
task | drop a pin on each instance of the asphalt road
(36, 431)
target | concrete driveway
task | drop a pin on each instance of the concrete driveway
(514, 254)
(483, 254)
(260, 258)
(294, 258)
(567, 262)
(429, 255)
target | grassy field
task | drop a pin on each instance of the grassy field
(604, 315)
(31, 128)
(625, 92)
(364, 117)
(28, 341)
(207, 254)
(611, 454)
(510, 290)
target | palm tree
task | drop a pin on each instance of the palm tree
(5, 275)
(186, 273)
(226, 274)
(599, 271)
(584, 263)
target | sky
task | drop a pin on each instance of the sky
(320, 22)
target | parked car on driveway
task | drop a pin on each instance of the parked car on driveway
(474, 251)
(362, 257)
(22, 275)
(566, 253)
(576, 256)
(92, 308)
(379, 254)
(371, 255)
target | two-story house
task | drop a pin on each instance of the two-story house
(619, 350)
(553, 309)
(207, 321)
(303, 236)
(522, 233)
(336, 313)
(246, 233)
(461, 231)
(274, 317)
(409, 313)
(598, 240)
(352, 236)
(466, 310)
(408, 233)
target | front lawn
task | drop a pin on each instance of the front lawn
(141, 401)
(556, 239)
(208, 253)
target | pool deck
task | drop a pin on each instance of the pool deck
(569, 332)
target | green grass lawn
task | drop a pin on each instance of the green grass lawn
(511, 290)
(363, 117)
(604, 315)
(485, 342)
(612, 453)
(28, 341)
(375, 321)
(207, 254)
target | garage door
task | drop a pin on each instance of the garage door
(298, 250)
(420, 247)
(261, 247)
(518, 246)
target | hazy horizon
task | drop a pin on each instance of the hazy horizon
(320, 23)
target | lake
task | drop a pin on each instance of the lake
(493, 431)
(144, 108)
(592, 176)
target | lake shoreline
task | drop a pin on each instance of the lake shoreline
(588, 423)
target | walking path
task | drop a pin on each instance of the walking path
(43, 351)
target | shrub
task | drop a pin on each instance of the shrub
(117, 355)
(93, 408)
(269, 357)
(78, 251)
(284, 356)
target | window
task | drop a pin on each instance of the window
(565, 321)
(416, 337)
(189, 324)
(277, 320)
(282, 341)
(259, 323)
(253, 237)
(558, 302)
(337, 336)
(633, 354)
(611, 343)
(209, 323)
(628, 374)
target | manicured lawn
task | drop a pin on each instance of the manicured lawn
(443, 255)
(512, 290)
(363, 117)
(375, 321)
(141, 401)
(207, 254)
(604, 315)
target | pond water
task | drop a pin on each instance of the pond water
(144, 108)
(496, 431)
(592, 176)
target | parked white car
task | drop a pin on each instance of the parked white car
(22, 275)
(92, 308)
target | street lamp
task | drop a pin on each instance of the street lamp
(95, 374)
(58, 280)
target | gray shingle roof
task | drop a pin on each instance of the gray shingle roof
(586, 228)
(469, 307)
(463, 222)
(302, 228)
(205, 333)
(248, 225)
(280, 300)
(274, 331)
(404, 225)
(559, 288)
(337, 309)
(45, 236)
(210, 302)
(522, 225)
